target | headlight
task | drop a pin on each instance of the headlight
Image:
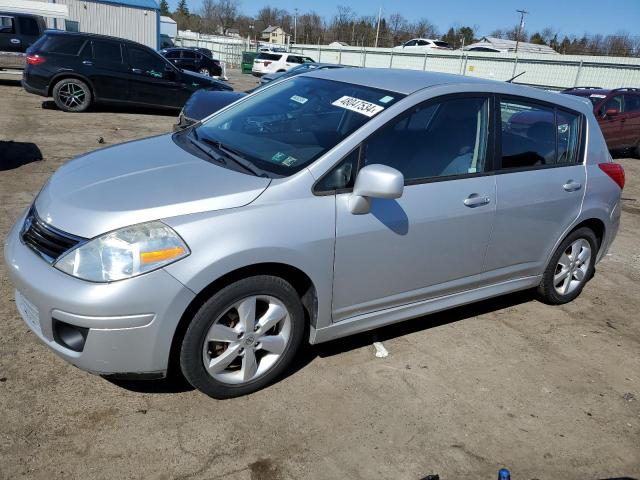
(124, 253)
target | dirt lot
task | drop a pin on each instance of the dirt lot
(549, 392)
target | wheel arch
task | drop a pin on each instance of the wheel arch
(298, 279)
(77, 76)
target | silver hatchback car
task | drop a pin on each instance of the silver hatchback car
(320, 206)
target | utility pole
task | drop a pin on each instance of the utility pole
(295, 26)
(520, 27)
(378, 29)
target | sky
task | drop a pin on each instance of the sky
(571, 17)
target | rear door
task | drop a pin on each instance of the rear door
(540, 181)
(153, 80)
(107, 70)
(631, 120)
(188, 60)
(611, 124)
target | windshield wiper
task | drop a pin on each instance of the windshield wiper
(209, 152)
(236, 157)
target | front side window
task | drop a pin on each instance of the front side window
(614, 103)
(150, 64)
(438, 139)
(173, 54)
(285, 127)
(632, 103)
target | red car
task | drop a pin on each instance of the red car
(618, 113)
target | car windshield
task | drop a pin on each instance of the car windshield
(285, 127)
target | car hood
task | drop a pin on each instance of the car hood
(203, 81)
(139, 181)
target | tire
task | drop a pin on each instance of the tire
(237, 357)
(72, 95)
(564, 278)
(204, 71)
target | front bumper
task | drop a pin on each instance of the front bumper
(131, 322)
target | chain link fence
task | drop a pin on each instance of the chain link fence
(226, 49)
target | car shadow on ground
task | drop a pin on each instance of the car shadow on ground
(133, 109)
(15, 154)
(175, 383)
(10, 82)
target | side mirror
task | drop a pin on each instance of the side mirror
(375, 181)
(611, 112)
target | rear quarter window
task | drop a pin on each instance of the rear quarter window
(62, 45)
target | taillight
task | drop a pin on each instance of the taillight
(35, 59)
(615, 172)
(266, 63)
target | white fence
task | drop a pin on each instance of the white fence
(547, 71)
(226, 49)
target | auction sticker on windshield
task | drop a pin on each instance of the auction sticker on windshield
(356, 105)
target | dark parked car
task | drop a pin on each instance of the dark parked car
(205, 102)
(194, 60)
(202, 104)
(18, 31)
(618, 114)
(78, 69)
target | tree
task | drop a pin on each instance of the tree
(182, 9)
(164, 8)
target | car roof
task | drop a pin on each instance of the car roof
(585, 92)
(92, 35)
(407, 82)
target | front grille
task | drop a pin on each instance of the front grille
(47, 241)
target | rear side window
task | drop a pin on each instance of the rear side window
(107, 51)
(61, 44)
(28, 26)
(632, 103)
(534, 135)
(189, 55)
(268, 56)
(173, 54)
(7, 25)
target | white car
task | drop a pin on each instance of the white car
(273, 62)
(422, 44)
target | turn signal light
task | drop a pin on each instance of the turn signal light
(161, 255)
(615, 172)
(35, 59)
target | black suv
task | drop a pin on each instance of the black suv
(77, 69)
(196, 60)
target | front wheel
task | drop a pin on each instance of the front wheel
(72, 95)
(204, 71)
(571, 266)
(243, 337)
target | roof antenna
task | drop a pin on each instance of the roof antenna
(514, 77)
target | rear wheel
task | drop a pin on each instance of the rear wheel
(571, 266)
(72, 95)
(243, 337)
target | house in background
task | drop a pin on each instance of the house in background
(274, 35)
(493, 44)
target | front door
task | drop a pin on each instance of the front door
(153, 80)
(432, 240)
(540, 185)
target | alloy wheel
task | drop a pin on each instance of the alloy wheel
(573, 265)
(204, 71)
(72, 95)
(247, 340)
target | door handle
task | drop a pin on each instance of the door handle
(475, 200)
(15, 41)
(87, 62)
(572, 186)
(136, 70)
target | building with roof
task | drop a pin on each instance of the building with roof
(273, 34)
(137, 20)
(493, 44)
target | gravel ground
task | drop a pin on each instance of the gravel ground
(550, 392)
